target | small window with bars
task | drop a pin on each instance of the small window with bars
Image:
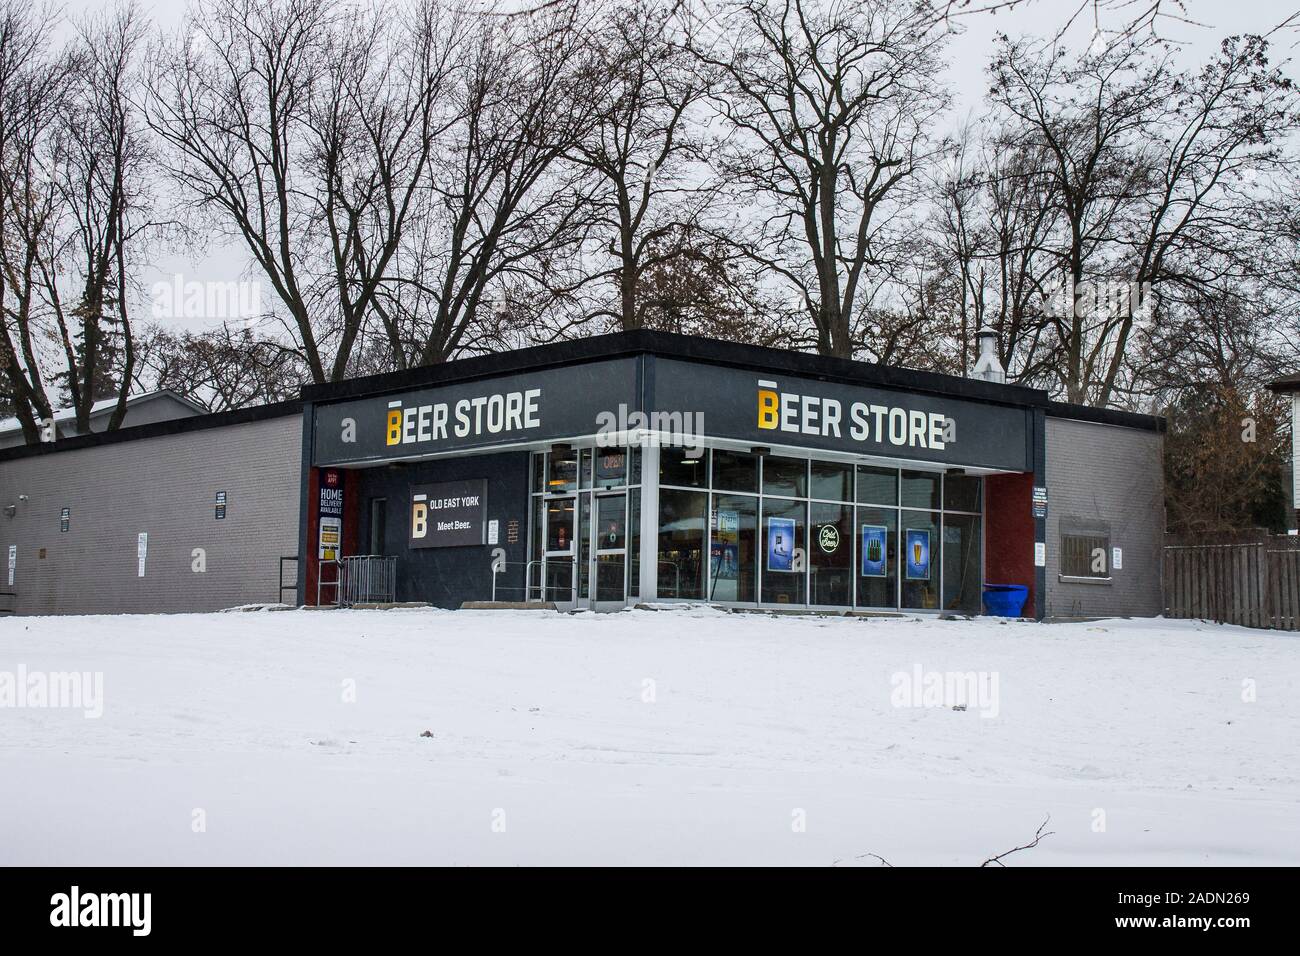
(1085, 553)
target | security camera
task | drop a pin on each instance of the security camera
(22, 497)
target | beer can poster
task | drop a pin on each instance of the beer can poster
(875, 550)
(918, 555)
(780, 544)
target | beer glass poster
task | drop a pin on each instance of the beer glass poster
(780, 544)
(874, 550)
(918, 555)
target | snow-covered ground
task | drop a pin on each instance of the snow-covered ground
(647, 737)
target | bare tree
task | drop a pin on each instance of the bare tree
(33, 85)
(832, 105)
(307, 129)
(646, 151)
(501, 213)
(224, 368)
(1143, 162)
(75, 207)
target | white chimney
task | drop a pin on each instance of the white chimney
(987, 365)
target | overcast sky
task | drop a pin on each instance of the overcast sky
(969, 53)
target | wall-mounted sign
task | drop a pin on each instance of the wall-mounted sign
(1040, 501)
(13, 562)
(512, 531)
(449, 514)
(551, 403)
(65, 519)
(1040, 554)
(141, 552)
(780, 544)
(221, 513)
(768, 409)
(875, 550)
(918, 554)
(1117, 559)
(221, 498)
(494, 531)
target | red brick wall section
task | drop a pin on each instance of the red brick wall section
(1009, 533)
(351, 526)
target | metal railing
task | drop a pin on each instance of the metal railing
(539, 586)
(360, 579)
(293, 585)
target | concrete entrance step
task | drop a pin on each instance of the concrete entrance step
(507, 606)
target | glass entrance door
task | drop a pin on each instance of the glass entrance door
(557, 573)
(609, 551)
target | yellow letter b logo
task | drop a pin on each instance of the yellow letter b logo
(767, 405)
(395, 426)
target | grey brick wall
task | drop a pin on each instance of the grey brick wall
(1111, 474)
(164, 486)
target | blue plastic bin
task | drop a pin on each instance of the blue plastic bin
(1005, 600)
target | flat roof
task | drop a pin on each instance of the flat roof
(719, 352)
(618, 345)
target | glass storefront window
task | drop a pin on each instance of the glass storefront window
(962, 547)
(584, 545)
(682, 516)
(559, 524)
(611, 467)
(830, 554)
(539, 472)
(784, 537)
(733, 548)
(832, 480)
(611, 522)
(634, 542)
(785, 476)
(962, 493)
(735, 471)
(876, 531)
(919, 537)
(562, 472)
(584, 468)
(877, 486)
(920, 490)
(677, 467)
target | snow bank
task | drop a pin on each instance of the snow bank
(688, 737)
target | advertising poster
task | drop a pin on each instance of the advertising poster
(726, 546)
(875, 550)
(918, 555)
(780, 544)
(331, 536)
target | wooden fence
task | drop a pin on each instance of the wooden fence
(1255, 583)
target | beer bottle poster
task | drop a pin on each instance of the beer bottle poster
(918, 555)
(875, 550)
(780, 544)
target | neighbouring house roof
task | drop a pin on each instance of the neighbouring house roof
(1286, 384)
(104, 408)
